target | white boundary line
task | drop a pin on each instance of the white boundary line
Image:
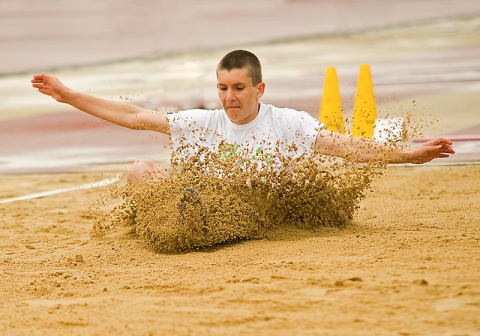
(92, 185)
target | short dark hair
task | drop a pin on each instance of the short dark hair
(239, 59)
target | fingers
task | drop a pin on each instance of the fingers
(50, 86)
(438, 141)
(38, 82)
(427, 152)
(442, 151)
(446, 148)
(444, 141)
(41, 81)
(449, 150)
(441, 145)
(38, 78)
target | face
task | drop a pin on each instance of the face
(238, 95)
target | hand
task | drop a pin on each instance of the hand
(438, 148)
(50, 86)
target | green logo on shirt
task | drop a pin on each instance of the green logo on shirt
(227, 150)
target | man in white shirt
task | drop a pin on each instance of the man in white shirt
(244, 124)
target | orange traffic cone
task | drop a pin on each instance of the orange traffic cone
(331, 111)
(364, 110)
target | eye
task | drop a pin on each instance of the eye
(240, 88)
(222, 88)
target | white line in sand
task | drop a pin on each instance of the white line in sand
(92, 185)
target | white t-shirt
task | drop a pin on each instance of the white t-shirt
(285, 131)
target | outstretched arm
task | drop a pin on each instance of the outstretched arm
(365, 150)
(120, 113)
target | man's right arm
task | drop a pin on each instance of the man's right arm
(120, 113)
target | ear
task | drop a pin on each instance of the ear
(260, 89)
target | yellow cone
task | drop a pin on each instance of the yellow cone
(364, 110)
(331, 111)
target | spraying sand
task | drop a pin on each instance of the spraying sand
(213, 198)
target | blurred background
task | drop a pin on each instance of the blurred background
(424, 57)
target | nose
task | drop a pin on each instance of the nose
(230, 95)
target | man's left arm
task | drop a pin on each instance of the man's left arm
(365, 150)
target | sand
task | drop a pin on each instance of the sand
(406, 265)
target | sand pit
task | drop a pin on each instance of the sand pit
(406, 265)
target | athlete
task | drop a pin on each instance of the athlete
(244, 124)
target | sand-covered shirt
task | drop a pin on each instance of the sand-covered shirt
(275, 131)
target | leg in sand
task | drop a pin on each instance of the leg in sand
(145, 171)
(141, 172)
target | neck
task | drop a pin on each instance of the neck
(256, 112)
